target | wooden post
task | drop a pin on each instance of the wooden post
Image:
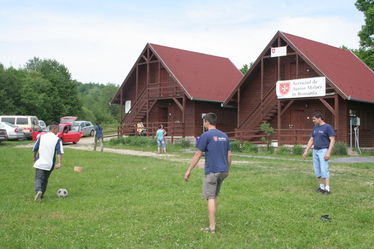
(147, 85)
(238, 112)
(262, 87)
(279, 121)
(121, 109)
(279, 43)
(297, 66)
(279, 103)
(136, 81)
(336, 117)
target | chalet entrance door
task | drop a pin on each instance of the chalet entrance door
(296, 124)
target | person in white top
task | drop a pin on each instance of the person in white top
(45, 150)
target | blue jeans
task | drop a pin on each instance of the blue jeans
(161, 143)
(321, 166)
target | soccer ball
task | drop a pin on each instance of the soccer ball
(62, 192)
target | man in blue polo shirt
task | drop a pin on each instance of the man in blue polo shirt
(216, 146)
(323, 140)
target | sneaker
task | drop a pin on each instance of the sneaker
(207, 229)
(38, 196)
(325, 192)
(319, 190)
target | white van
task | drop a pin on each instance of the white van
(27, 123)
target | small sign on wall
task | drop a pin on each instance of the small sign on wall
(301, 88)
(278, 51)
(127, 106)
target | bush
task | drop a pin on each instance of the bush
(235, 146)
(134, 141)
(116, 141)
(297, 150)
(268, 150)
(249, 147)
(184, 143)
(283, 150)
(340, 149)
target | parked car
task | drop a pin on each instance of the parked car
(27, 123)
(68, 120)
(13, 131)
(67, 132)
(86, 126)
(3, 135)
(43, 126)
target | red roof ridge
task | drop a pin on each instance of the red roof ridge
(325, 44)
(190, 51)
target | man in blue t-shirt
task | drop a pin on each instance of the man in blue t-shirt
(99, 137)
(216, 146)
(323, 140)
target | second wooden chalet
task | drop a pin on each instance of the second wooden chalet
(292, 78)
(175, 87)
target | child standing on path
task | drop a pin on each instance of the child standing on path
(160, 136)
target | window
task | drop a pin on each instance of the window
(34, 121)
(9, 120)
(22, 121)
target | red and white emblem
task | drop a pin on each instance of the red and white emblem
(272, 50)
(284, 88)
(215, 139)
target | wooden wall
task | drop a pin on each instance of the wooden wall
(226, 117)
(366, 113)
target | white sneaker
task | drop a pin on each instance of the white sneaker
(38, 196)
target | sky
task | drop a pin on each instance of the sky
(99, 41)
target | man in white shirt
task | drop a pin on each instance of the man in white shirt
(45, 150)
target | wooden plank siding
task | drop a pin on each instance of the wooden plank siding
(255, 105)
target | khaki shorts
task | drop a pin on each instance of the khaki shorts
(212, 184)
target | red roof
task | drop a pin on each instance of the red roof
(348, 73)
(203, 77)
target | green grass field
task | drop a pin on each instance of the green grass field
(139, 202)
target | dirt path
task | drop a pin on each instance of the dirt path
(87, 145)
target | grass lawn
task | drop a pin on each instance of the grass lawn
(139, 202)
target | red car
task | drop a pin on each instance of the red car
(67, 132)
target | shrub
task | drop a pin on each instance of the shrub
(297, 150)
(133, 141)
(268, 130)
(184, 143)
(235, 146)
(116, 141)
(283, 150)
(340, 149)
(249, 147)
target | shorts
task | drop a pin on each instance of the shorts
(212, 184)
(321, 166)
(161, 142)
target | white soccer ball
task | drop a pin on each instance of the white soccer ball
(62, 192)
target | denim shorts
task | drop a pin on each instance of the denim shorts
(321, 166)
(212, 184)
(161, 142)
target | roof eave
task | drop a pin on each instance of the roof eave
(359, 100)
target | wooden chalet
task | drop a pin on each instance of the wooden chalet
(175, 87)
(349, 91)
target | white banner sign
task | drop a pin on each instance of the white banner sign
(301, 88)
(279, 51)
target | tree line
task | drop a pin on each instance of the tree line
(44, 88)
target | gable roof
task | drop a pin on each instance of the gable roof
(202, 76)
(351, 77)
